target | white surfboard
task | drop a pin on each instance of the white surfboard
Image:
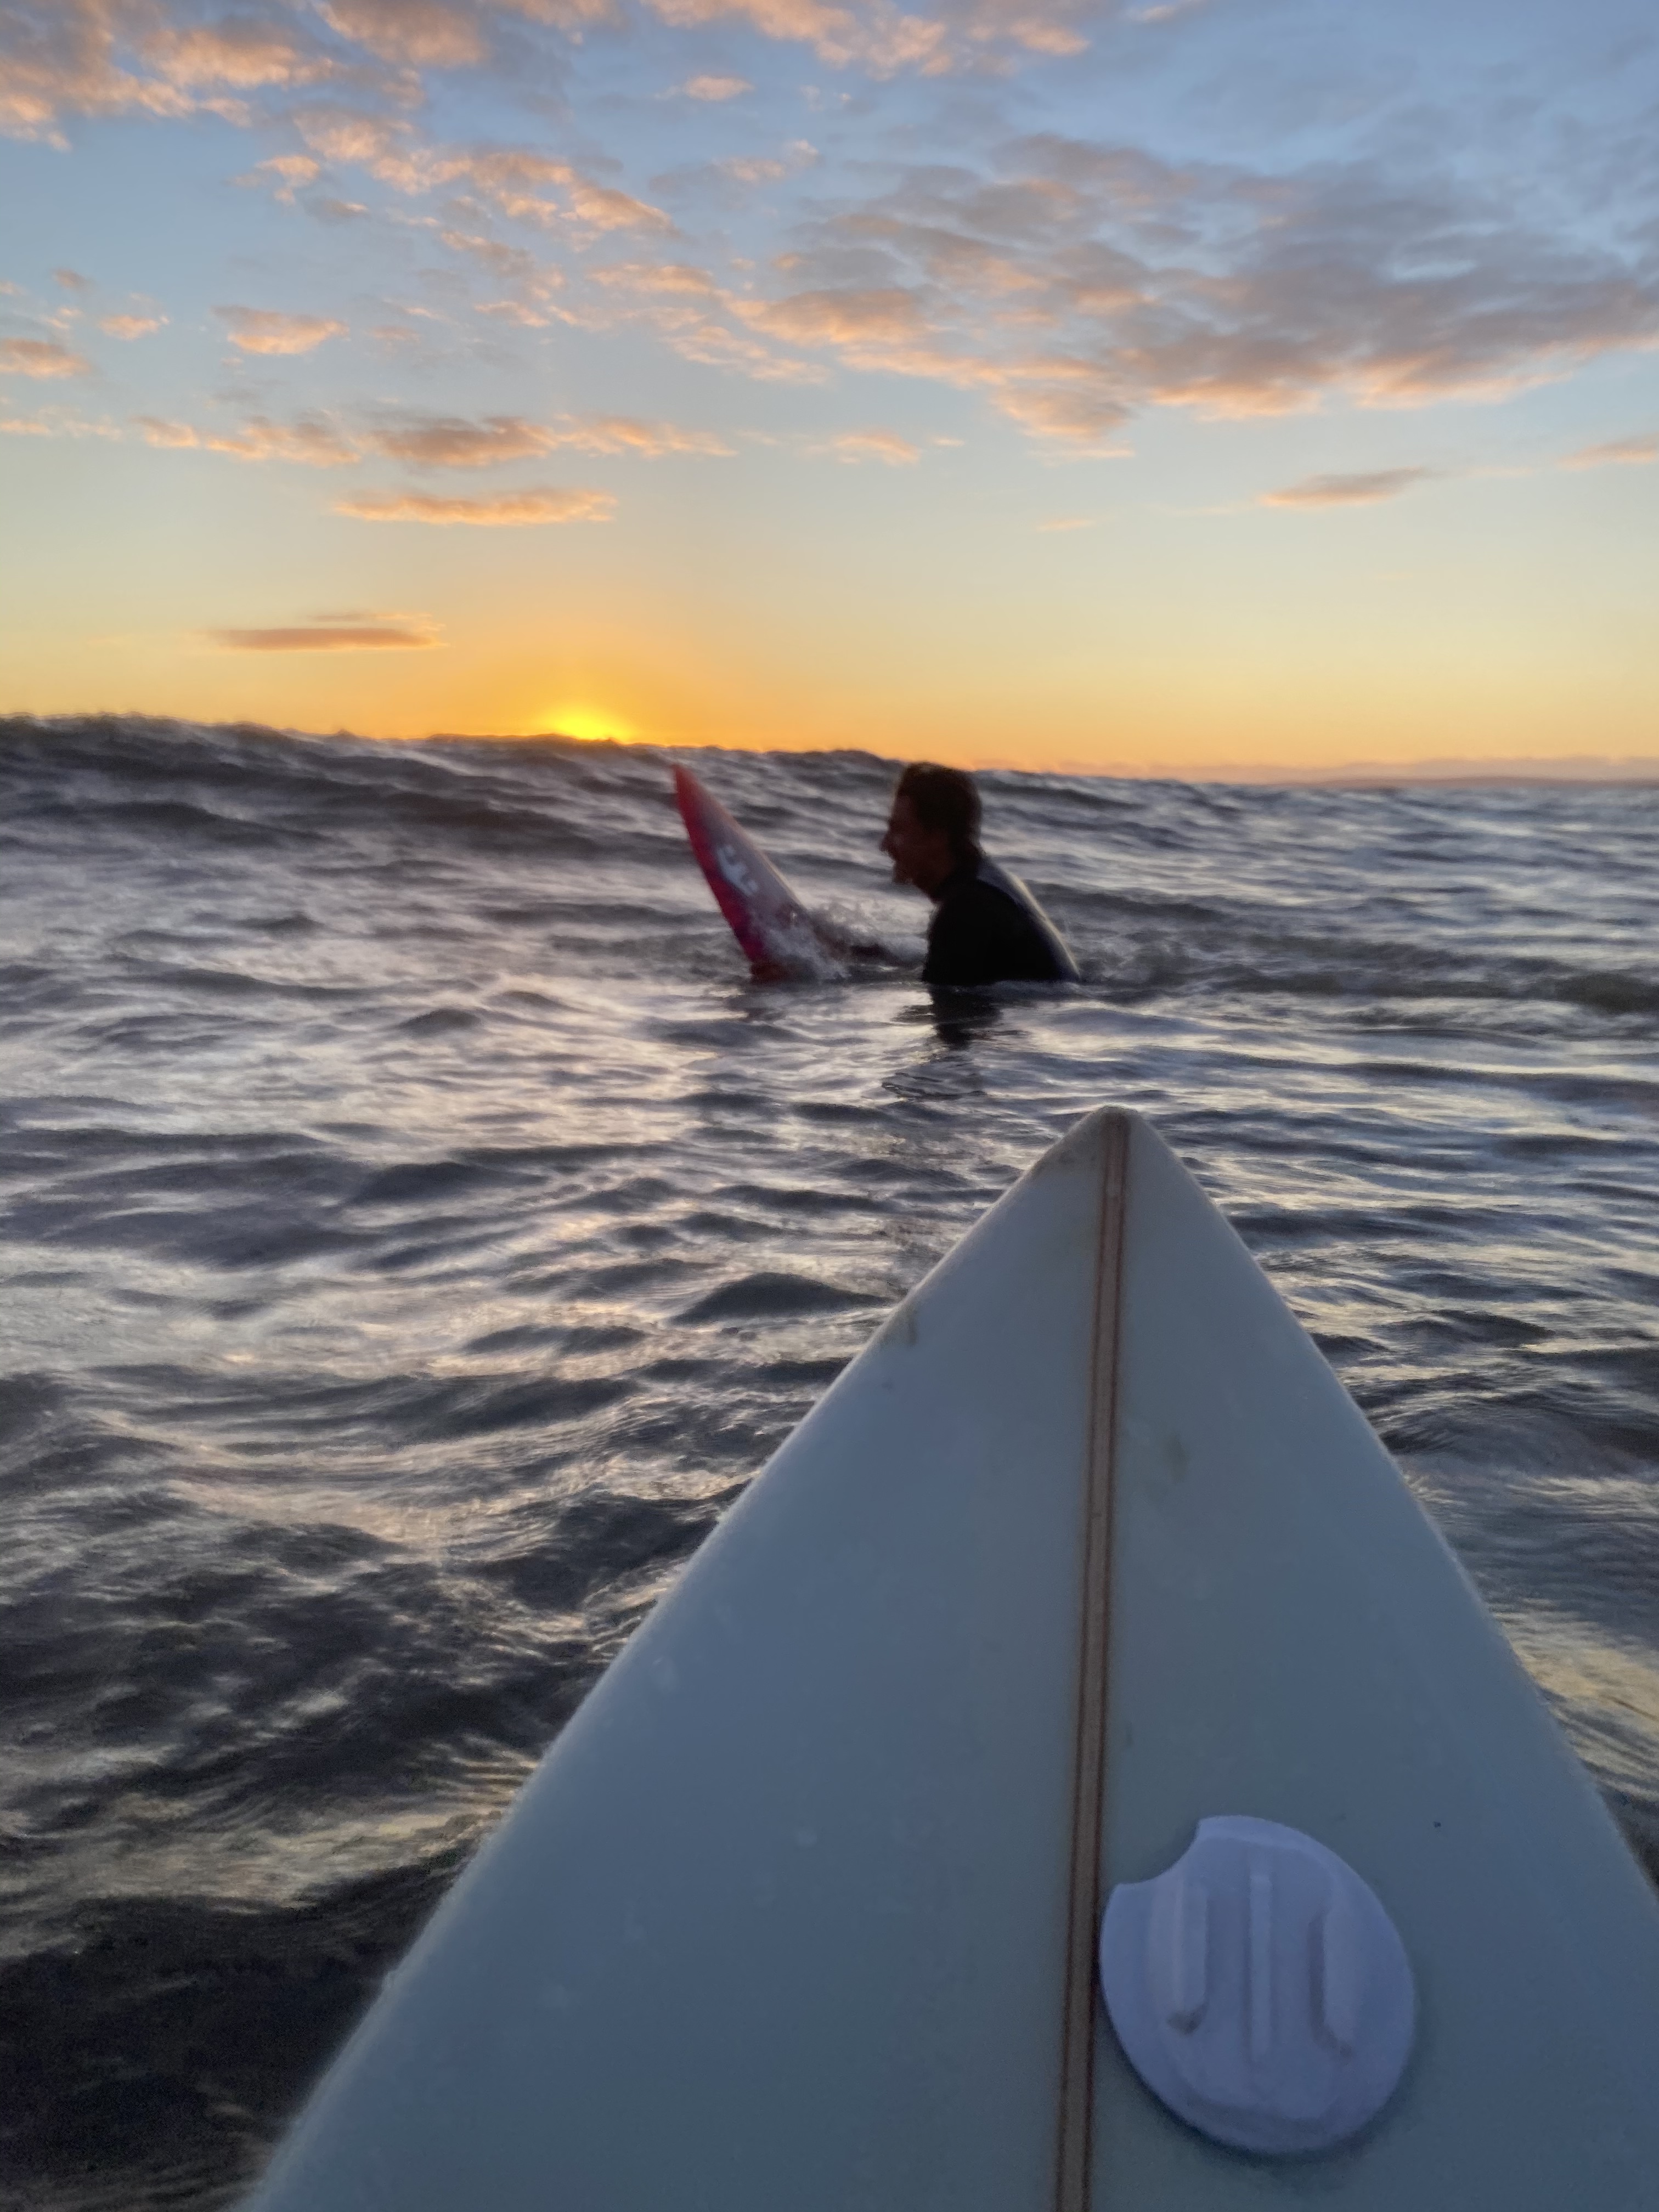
(803, 1908)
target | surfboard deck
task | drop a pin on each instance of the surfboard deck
(1088, 1546)
(779, 937)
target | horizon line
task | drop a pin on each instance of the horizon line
(1433, 769)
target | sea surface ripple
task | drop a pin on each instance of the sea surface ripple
(417, 1229)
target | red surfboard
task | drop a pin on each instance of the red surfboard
(778, 936)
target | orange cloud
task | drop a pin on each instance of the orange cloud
(607, 209)
(352, 632)
(1364, 489)
(40, 357)
(857, 321)
(1617, 453)
(238, 50)
(449, 442)
(1225, 290)
(168, 436)
(64, 61)
(513, 179)
(263, 330)
(290, 171)
(713, 88)
(1075, 403)
(131, 326)
(884, 445)
(510, 509)
(675, 279)
(312, 440)
(877, 37)
(508, 264)
(417, 33)
(55, 423)
(627, 434)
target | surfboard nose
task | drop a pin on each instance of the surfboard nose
(698, 811)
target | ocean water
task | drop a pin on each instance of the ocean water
(418, 1229)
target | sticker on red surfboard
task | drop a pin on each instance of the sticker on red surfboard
(777, 934)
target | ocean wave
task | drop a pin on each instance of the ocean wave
(419, 1228)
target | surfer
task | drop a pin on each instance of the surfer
(986, 928)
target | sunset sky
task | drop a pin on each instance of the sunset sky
(1188, 386)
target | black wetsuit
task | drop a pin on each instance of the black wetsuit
(987, 928)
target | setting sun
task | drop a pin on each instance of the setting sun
(590, 724)
(392, 370)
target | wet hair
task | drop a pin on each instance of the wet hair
(944, 798)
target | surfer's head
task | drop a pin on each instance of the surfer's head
(933, 827)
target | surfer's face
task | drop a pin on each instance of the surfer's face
(920, 855)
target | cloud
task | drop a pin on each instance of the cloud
(72, 280)
(507, 508)
(355, 631)
(1064, 283)
(712, 88)
(716, 345)
(685, 306)
(1364, 487)
(108, 58)
(289, 170)
(40, 357)
(159, 432)
(908, 332)
(884, 445)
(750, 168)
(513, 179)
(878, 37)
(508, 264)
(868, 322)
(671, 279)
(242, 50)
(262, 329)
(515, 311)
(568, 15)
(627, 434)
(61, 57)
(387, 148)
(1068, 522)
(1073, 284)
(1626, 453)
(131, 326)
(54, 423)
(312, 440)
(417, 33)
(450, 441)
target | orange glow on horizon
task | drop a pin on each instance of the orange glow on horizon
(590, 724)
